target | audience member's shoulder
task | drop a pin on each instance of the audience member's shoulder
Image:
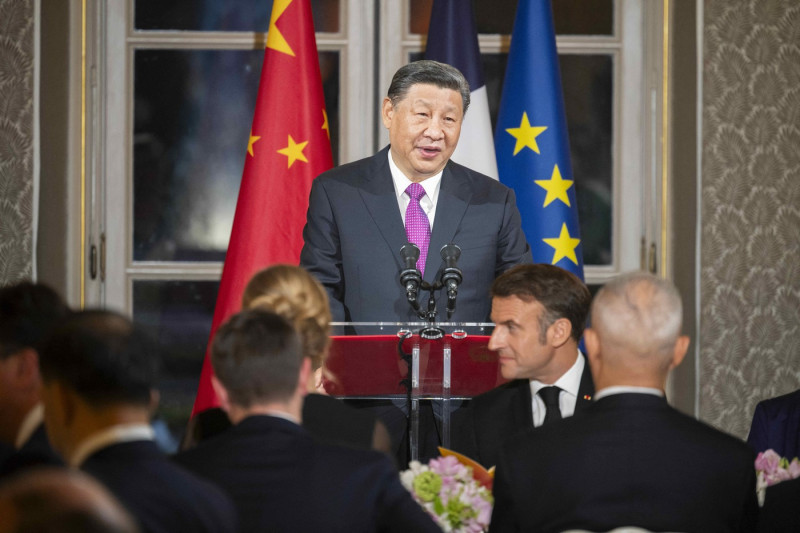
(347, 458)
(706, 433)
(791, 399)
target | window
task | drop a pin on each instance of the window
(170, 120)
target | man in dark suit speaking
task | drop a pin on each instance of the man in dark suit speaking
(361, 214)
(630, 459)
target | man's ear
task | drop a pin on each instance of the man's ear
(559, 332)
(222, 394)
(387, 112)
(304, 376)
(592, 344)
(679, 351)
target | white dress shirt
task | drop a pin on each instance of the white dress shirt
(622, 389)
(427, 202)
(29, 424)
(110, 435)
(569, 383)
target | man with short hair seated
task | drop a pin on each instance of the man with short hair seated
(630, 459)
(280, 478)
(99, 374)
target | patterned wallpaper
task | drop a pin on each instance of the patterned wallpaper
(16, 139)
(750, 258)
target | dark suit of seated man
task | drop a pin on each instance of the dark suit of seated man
(540, 312)
(776, 425)
(279, 476)
(630, 459)
(780, 512)
(99, 374)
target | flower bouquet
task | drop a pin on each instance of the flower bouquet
(454, 490)
(771, 468)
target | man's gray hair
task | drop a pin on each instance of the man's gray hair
(428, 72)
(640, 312)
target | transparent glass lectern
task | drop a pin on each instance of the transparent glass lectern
(412, 361)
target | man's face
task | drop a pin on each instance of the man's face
(517, 340)
(423, 129)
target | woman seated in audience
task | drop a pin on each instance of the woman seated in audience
(295, 294)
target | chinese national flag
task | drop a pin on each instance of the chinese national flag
(289, 145)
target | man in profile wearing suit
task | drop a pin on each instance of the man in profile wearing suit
(99, 374)
(279, 476)
(361, 214)
(630, 459)
(28, 313)
(539, 313)
(776, 425)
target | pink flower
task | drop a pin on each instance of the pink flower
(768, 461)
(794, 468)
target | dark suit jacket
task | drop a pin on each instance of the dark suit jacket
(354, 233)
(781, 512)
(628, 460)
(776, 425)
(159, 494)
(281, 479)
(35, 452)
(490, 419)
(334, 422)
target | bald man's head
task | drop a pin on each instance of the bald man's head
(636, 324)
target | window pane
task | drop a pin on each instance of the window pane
(227, 15)
(572, 17)
(177, 316)
(588, 95)
(192, 115)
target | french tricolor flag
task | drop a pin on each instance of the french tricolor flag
(453, 39)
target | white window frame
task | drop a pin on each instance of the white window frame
(114, 44)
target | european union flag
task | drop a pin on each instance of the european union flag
(532, 144)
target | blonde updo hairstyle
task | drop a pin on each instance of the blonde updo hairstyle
(297, 296)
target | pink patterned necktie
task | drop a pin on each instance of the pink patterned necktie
(418, 228)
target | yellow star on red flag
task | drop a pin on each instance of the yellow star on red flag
(275, 38)
(325, 125)
(564, 246)
(251, 142)
(294, 151)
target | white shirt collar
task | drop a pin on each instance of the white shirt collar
(401, 183)
(622, 389)
(569, 383)
(29, 424)
(108, 436)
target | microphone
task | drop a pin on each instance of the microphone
(410, 277)
(451, 275)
